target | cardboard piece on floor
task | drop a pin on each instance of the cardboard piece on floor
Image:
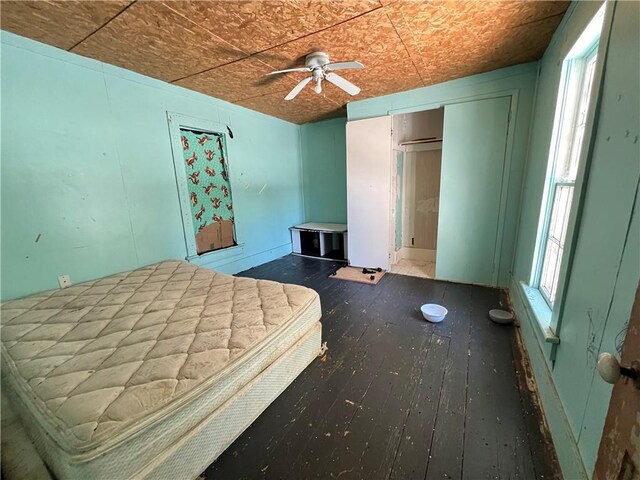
(214, 236)
(354, 274)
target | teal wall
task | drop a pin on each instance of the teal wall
(324, 167)
(88, 184)
(518, 81)
(606, 266)
(88, 189)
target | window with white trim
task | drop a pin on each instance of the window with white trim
(201, 152)
(567, 142)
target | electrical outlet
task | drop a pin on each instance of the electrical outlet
(64, 281)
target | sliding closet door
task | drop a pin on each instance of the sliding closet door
(473, 156)
(369, 191)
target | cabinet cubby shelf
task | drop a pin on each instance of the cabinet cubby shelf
(320, 240)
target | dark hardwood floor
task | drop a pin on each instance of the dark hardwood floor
(397, 397)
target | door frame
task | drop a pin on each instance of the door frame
(506, 172)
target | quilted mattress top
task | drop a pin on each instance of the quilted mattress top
(96, 357)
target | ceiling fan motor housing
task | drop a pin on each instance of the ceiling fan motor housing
(317, 59)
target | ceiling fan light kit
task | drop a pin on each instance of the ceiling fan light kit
(320, 68)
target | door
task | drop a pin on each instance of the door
(619, 454)
(369, 191)
(473, 156)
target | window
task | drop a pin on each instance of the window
(568, 138)
(209, 189)
(201, 153)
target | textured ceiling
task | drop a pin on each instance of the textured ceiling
(224, 48)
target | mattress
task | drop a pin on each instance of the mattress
(108, 374)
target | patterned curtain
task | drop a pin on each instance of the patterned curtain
(207, 178)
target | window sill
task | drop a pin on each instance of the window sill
(217, 255)
(541, 312)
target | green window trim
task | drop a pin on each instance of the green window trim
(593, 40)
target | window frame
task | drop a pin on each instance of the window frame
(574, 74)
(177, 122)
(595, 37)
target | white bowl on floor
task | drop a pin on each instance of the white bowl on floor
(501, 316)
(433, 312)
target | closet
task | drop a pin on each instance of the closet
(417, 144)
(427, 188)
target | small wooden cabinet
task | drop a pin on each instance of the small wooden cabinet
(320, 240)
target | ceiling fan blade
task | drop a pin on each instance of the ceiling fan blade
(288, 70)
(342, 65)
(343, 83)
(296, 90)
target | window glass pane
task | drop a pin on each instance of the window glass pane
(570, 106)
(560, 213)
(555, 240)
(549, 274)
(563, 207)
(556, 275)
(556, 221)
(581, 120)
(572, 171)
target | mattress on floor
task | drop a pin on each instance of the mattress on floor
(113, 371)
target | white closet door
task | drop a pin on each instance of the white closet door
(473, 155)
(369, 191)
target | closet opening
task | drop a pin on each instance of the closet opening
(416, 173)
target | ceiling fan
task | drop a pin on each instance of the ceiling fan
(321, 69)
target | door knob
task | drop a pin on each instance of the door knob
(610, 369)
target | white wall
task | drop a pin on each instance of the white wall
(423, 124)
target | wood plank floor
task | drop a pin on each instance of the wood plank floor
(395, 396)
